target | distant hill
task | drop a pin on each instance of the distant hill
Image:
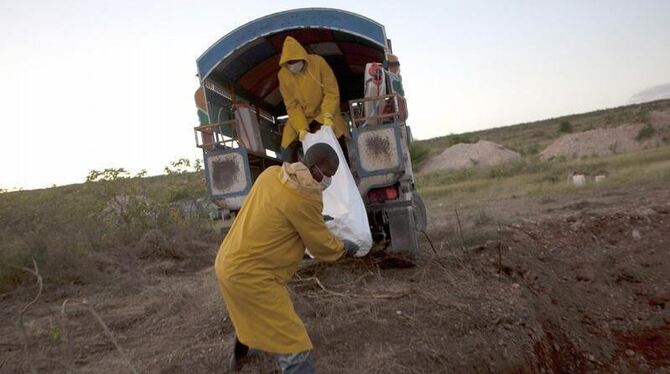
(531, 138)
(651, 94)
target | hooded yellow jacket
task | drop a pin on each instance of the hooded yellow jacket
(279, 218)
(311, 94)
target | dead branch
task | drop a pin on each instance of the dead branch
(532, 236)
(24, 335)
(460, 306)
(500, 245)
(386, 296)
(357, 280)
(429, 242)
(339, 294)
(69, 362)
(460, 229)
(109, 334)
(318, 282)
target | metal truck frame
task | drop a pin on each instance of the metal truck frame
(238, 74)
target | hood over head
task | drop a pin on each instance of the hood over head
(292, 50)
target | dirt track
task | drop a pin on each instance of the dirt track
(575, 284)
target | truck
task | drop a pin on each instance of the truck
(241, 115)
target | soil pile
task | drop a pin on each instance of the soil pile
(463, 156)
(605, 142)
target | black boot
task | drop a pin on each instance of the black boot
(238, 357)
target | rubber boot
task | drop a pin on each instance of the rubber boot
(239, 357)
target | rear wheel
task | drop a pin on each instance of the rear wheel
(419, 210)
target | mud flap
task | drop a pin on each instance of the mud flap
(403, 231)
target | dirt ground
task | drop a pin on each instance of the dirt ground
(570, 284)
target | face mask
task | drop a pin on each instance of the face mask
(325, 182)
(296, 68)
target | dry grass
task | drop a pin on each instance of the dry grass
(531, 177)
(68, 229)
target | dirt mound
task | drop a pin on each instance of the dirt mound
(601, 142)
(463, 156)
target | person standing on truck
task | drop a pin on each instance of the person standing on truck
(280, 217)
(311, 96)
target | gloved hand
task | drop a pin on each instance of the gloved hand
(328, 121)
(301, 135)
(350, 248)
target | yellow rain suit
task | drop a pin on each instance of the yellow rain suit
(279, 218)
(311, 94)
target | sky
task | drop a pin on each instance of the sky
(98, 84)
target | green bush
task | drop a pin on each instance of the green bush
(646, 133)
(419, 154)
(461, 138)
(565, 127)
(531, 149)
(67, 230)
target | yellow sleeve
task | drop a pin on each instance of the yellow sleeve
(331, 92)
(323, 245)
(296, 116)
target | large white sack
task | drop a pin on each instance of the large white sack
(342, 200)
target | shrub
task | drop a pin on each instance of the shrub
(419, 154)
(66, 228)
(565, 127)
(461, 138)
(531, 149)
(646, 133)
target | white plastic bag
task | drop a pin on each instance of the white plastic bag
(342, 200)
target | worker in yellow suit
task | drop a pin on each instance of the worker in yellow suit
(280, 217)
(311, 96)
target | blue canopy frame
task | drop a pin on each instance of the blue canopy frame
(323, 18)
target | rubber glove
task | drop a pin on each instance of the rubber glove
(350, 248)
(302, 134)
(328, 121)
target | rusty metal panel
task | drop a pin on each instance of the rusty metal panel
(378, 149)
(227, 173)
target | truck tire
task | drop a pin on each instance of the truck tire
(420, 213)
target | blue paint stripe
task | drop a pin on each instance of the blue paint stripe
(332, 19)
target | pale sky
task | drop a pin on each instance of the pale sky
(94, 84)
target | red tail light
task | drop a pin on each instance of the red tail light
(381, 195)
(391, 193)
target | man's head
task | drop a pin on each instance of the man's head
(293, 55)
(393, 63)
(321, 160)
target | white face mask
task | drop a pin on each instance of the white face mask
(296, 68)
(325, 182)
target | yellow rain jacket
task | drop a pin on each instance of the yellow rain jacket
(279, 218)
(311, 94)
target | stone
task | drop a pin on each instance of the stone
(630, 353)
(636, 235)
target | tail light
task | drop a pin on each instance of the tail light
(381, 195)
